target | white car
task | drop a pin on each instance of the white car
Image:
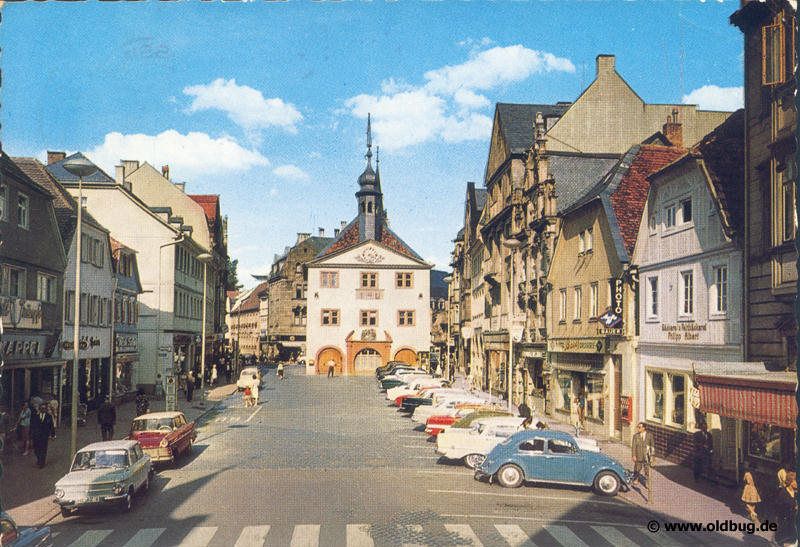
(477, 441)
(442, 402)
(246, 378)
(412, 387)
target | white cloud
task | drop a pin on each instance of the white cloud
(711, 97)
(495, 67)
(273, 192)
(244, 105)
(448, 105)
(291, 172)
(187, 155)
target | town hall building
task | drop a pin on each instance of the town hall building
(368, 292)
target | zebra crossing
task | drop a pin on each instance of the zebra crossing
(393, 535)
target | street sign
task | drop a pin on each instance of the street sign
(171, 393)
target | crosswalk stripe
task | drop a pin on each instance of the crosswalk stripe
(358, 535)
(305, 535)
(145, 537)
(513, 534)
(198, 537)
(92, 538)
(614, 536)
(252, 536)
(565, 536)
(464, 531)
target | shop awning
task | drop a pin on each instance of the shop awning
(748, 391)
(38, 363)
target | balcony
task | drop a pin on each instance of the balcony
(369, 294)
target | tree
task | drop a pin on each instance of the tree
(232, 280)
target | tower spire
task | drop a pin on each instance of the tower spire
(369, 139)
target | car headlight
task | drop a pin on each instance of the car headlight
(118, 487)
(59, 493)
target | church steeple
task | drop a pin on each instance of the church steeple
(369, 196)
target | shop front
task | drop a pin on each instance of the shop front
(757, 409)
(126, 357)
(532, 379)
(30, 371)
(495, 345)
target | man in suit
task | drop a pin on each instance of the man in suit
(42, 429)
(641, 451)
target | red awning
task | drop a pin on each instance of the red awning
(747, 401)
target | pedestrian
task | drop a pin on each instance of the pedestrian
(750, 495)
(42, 430)
(247, 396)
(581, 403)
(254, 390)
(107, 417)
(24, 426)
(213, 375)
(228, 371)
(189, 385)
(641, 451)
(331, 366)
(52, 408)
(142, 404)
(786, 511)
(280, 371)
(703, 450)
(524, 410)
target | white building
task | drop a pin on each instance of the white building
(368, 292)
(689, 255)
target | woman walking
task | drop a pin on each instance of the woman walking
(280, 371)
(24, 425)
(750, 496)
(786, 511)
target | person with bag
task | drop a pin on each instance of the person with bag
(280, 371)
(750, 495)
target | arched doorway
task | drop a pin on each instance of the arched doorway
(366, 360)
(407, 356)
(326, 355)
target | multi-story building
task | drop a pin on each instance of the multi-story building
(245, 329)
(95, 371)
(127, 289)
(368, 292)
(32, 265)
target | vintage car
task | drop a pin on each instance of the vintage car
(103, 473)
(551, 457)
(391, 368)
(246, 378)
(164, 435)
(412, 386)
(410, 404)
(402, 377)
(12, 536)
(442, 422)
(441, 403)
(472, 447)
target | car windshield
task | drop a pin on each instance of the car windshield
(100, 459)
(152, 424)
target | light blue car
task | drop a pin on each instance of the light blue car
(551, 457)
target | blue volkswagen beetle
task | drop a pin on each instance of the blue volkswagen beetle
(554, 457)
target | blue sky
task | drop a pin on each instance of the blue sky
(265, 103)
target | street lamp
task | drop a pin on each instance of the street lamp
(204, 258)
(80, 167)
(448, 280)
(511, 244)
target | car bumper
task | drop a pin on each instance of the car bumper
(159, 454)
(480, 475)
(88, 501)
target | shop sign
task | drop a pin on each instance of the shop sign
(694, 397)
(533, 353)
(687, 332)
(125, 343)
(20, 314)
(577, 345)
(22, 347)
(625, 407)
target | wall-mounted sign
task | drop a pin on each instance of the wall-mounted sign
(369, 335)
(370, 255)
(20, 314)
(577, 345)
(125, 342)
(22, 347)
(610, 319)
(683, 332)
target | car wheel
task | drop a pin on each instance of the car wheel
(65, 512)
(127, 502)
(607, 483)
(474, 460)
(509, 476)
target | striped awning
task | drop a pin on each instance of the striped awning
(757, 400)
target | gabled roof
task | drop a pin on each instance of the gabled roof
(209, 203)
(62, 175)
(576, 174)
(251, 301)
(11, 167)
(66, 208)
(348, 237)
(516, 122)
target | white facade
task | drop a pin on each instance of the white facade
(365, 300)
(690, 295)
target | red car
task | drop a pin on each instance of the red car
(438, 423)
(163, 435)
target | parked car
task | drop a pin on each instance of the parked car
(473, 446)
(442, 422)
(104, 473)
(29, 536)
(443, 402)
(412, 386)
(246, 378)
(164, 435)
(551, 457)
(389, 366)
(401, 377)
(409, 404)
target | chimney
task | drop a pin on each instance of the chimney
(165, 171)
(344, 223)
(605, 64)
(301, 237)
(120, 175)
(130, 166)
(322, 232)
(54, 157)
(673, 129)
(336, 232)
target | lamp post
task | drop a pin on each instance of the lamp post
(448, 280)
(511, 244)
(80, 167)
(204, 258)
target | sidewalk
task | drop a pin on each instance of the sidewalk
(676, 496)
(27, 491)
